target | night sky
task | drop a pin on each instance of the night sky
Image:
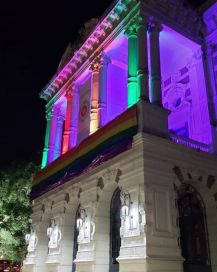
(34, 35)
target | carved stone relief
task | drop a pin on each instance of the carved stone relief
(134, 223)
(87, 228)
(54, 234)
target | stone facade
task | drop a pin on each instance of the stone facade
(152, 172)
(71, 229)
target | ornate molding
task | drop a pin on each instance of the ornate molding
(115, 16)
(112, 175)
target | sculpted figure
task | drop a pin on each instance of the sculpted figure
(33, 241)
(55, 237)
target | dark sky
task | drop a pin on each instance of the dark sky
(33, 37)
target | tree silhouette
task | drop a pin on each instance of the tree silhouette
(15, 209)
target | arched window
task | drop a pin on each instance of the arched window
(193, 231)
(115, 224)
(75, 242)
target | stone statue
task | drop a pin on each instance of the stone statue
(33, 241)
(55, 237)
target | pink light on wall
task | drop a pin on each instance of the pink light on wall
(67, 122)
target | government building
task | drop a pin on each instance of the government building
(128, 181)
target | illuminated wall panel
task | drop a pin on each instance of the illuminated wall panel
(183, 86)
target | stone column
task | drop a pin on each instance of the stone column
(66, 134)
(155, 67)
(211, 93)
(142, 72)
(59, 135)
(52, 134)
(71, 122)
(74, 117)
(132, 84)
(94, 120)
(46, 141)
(41, 251)
(103, 91)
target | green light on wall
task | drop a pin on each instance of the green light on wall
(132, 69)
(44, 159)
(133, 96)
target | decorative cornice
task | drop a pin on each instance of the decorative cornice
(104, 28)
(168, 12)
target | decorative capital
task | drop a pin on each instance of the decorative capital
(100, 60)
(106, 60)
(141, 21)
(49, 115)
(60, 119)
(95, 67)
(71, 91)
(68, 93)
(208, 48)
(112, 175)
(154, 27)
(131, 30)
(135, 24)
(97, 63)
(51, 112)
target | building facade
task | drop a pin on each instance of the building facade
(128, 178)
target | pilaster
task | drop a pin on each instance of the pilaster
(95, 86)
(59, 135)
(52, 134)
(142, 72)
(46, 141)
(98, 114)
(71, 122)
(132, 84)
(67, 128)
(103, 91)
(211, 92)
(155, 67)
(74, 117)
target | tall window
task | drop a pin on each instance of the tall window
(193, 231)
(115, 224)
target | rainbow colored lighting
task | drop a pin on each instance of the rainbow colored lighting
(183, 91)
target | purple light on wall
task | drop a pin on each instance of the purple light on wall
(117, 77)
(183, 86)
